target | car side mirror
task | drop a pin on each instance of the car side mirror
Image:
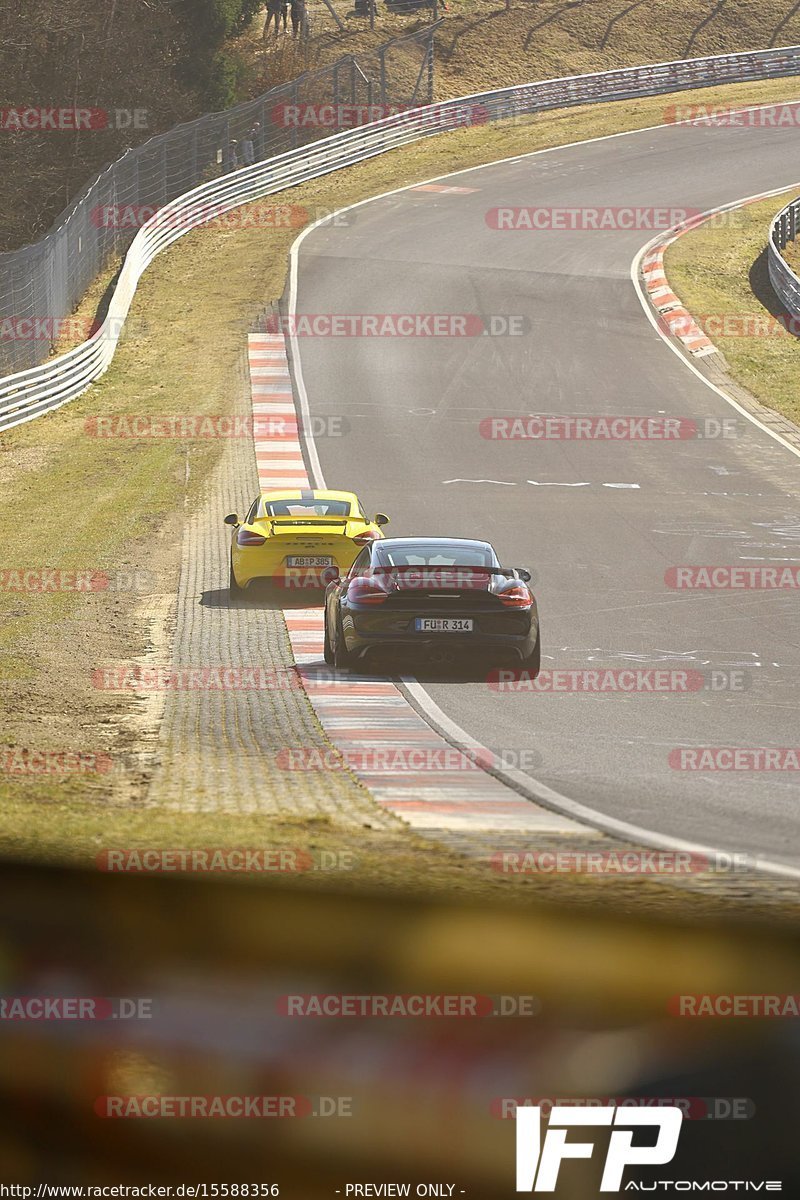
(232, 519)
(381, 519)
(524, 575)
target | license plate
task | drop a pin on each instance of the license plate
(443, 625)
(306, 560)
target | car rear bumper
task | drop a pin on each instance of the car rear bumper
(364, 635)
(251, 564)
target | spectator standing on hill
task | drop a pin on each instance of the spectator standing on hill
(248, 149)
(299, 16)
(274, 10)
(258, 140)
(232, 155)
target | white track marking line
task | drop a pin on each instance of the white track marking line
(499, 482)
(538, 791)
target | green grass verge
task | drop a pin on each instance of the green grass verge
(720, 270)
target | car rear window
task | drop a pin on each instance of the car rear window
(433, 554)
(305, 508)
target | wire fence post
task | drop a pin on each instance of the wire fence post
(295, 94)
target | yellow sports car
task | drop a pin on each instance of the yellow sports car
(301, 537)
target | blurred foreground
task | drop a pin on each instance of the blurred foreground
(210, 990)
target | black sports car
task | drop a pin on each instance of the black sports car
(445, 597)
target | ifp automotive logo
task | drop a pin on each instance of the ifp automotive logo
(538, 1165)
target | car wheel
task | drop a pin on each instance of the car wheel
(342, 658)
(532, 664)
(234, 590)
(327, 648)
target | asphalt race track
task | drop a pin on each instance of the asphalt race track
(599, 550)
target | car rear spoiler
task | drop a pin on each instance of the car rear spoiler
(509, 571)
(283, 521)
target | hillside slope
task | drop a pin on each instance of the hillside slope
(551, 38)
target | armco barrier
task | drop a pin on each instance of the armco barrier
(30, 393)
(785, 282)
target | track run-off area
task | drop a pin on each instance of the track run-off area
(605, 524)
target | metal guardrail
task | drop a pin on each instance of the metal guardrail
(30, 393)
(786, 283)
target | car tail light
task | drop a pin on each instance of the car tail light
(516, 596)
(364, 539)
(245, 538)
(367, 591)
